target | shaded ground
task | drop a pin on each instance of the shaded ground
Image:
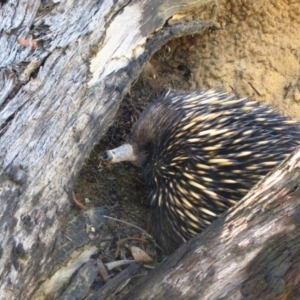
(120, 188)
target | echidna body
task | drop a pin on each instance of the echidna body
(201, 152)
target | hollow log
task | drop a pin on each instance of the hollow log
(64, 68)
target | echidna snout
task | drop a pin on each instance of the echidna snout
(201, 152)
(122, 153)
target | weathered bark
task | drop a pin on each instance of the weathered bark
(64, 69)
(252, 252)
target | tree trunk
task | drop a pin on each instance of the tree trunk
(251, 252)
(64, 69)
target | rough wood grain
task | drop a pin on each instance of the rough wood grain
(64, 66)
(252, 252)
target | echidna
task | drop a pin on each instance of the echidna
(201, 152)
